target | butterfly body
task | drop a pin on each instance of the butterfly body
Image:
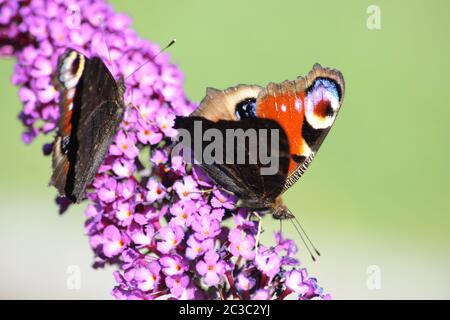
(92, 109)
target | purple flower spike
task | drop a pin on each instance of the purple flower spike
(169, 231)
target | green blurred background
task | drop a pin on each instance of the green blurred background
(378, 192)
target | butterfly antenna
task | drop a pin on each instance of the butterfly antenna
(258, 232)
(307, 237)
(303, 240)
(153, 58)
(102, 27)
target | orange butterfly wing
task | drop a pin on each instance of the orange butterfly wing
(305, 108)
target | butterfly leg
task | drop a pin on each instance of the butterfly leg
(204, 191)
(258, 234)
(102, 27)
(208, 191)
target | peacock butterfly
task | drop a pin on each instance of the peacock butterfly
(91, 108)
(303, 109)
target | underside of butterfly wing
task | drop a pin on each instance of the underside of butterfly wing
(101, 112)
(91, 111)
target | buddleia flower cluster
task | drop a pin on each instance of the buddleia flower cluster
(168, 229)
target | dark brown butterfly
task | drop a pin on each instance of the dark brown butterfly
(305, 110)
(92, 109)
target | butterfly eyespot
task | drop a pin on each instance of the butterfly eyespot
(246, 108)
(322, 102)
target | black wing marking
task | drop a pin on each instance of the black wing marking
(245, 180)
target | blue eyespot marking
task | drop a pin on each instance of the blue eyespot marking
(329, 85)
(246, 108)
